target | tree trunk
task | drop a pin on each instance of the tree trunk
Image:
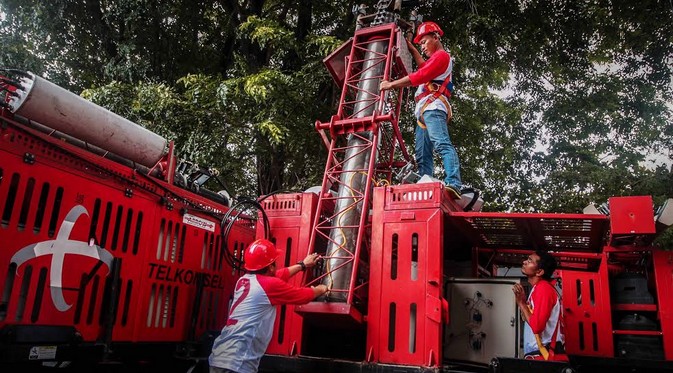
(270, 166)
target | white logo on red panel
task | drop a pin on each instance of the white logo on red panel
(58, 249)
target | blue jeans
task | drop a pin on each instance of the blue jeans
(436, 137)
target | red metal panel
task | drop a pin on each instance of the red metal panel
(631, 215)
(278, 205)
(177, 256)
(566, 232)
(416, 196)
(337, 61)
(406, 304)
(290, 219)
(663, 276)
(586, 304)
(27, 292)
(162, 253)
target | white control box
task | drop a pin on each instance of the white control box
(484, 320)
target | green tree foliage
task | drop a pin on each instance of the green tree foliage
(589, 88)
(191, 114)
(81, 43)
(558, 103)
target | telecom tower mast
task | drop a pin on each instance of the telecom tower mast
(365, 147)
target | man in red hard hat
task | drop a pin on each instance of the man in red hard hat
(433, 111)
(247, 333)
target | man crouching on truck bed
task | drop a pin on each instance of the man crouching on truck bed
(248, 331)
(543, 337)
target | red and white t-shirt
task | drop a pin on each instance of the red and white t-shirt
(436, 68)
(248, 331)
(545, 320)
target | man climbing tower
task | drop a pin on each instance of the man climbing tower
(433, 111)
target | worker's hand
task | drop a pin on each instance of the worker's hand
(519, 294)
(385, 85)
(311, 260)
(410, 45)
(319, 290)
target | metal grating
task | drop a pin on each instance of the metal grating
(568, 232)
(283, 204)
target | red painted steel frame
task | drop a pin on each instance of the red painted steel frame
(587, 316)
(505, 239)
(591, 250)
(406, 309)
(385, 139)
(290, 218)
(663, 270)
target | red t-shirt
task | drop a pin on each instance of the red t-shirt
(543, 299)
(280, 292)
(432, 68)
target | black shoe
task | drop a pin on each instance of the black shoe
(453, 191)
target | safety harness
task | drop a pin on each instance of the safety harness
(435, 90)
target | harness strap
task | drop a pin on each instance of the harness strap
(436, 88)
(435, 91)
(541, 348)
(560, 318)
(449, 114)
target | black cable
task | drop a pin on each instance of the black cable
(270, 194)
(230, 217)
(231, 259)
(222, 184)
(228, 221)
(278, 191)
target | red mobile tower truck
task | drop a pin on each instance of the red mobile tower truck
(419, 281)
(111, 251)
(110, 248)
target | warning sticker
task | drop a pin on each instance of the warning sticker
(198, 222)
(42, 353)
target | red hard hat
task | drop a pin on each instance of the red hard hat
(427, 28)
(260, 254)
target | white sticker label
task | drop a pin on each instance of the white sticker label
(42, 353)
(196, 221)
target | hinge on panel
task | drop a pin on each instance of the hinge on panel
(29, 158)
(164, 201)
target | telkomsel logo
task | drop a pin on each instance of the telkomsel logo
(58, 249)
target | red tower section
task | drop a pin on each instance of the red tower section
(364, 146)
